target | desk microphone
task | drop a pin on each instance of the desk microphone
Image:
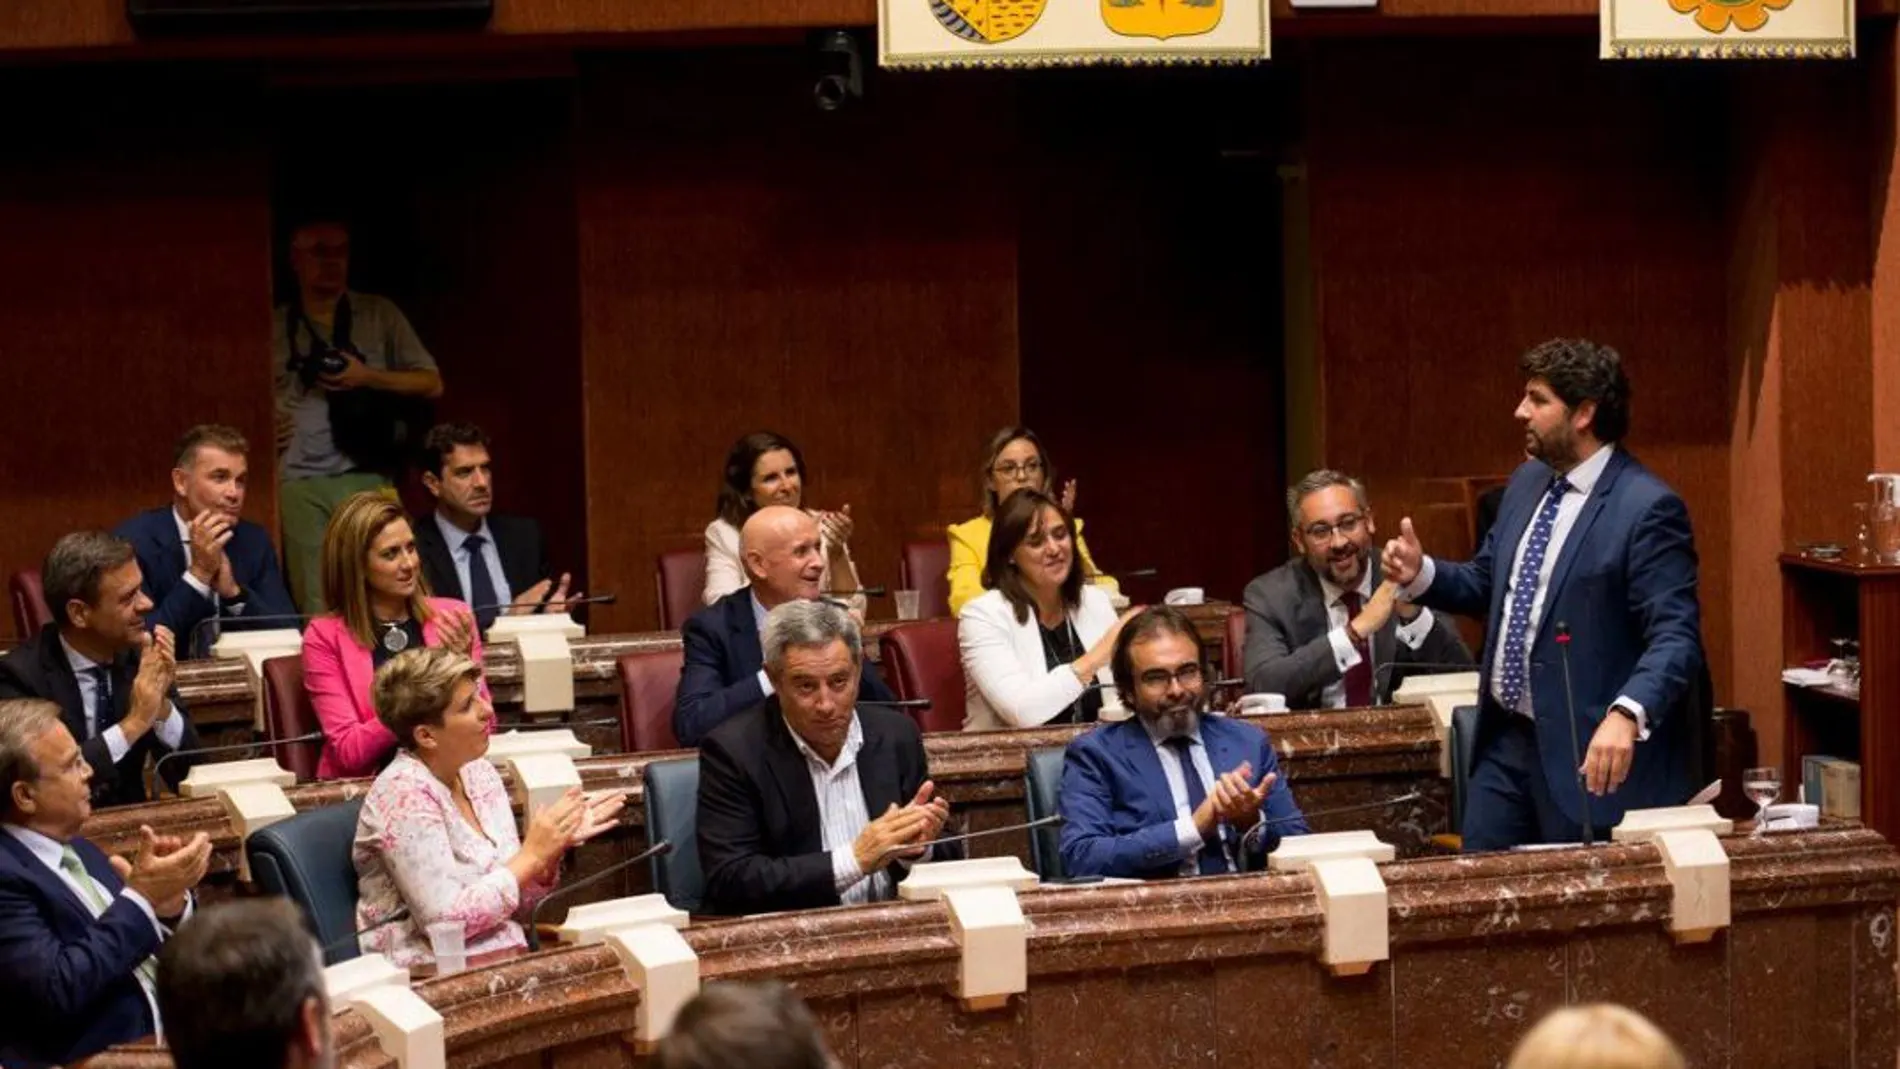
(352, 939)
(501, 608)
(1139, 573)
(664, 846)
(1570, 713)
(1251, 840)
(907, 703)
(1053, 818)
(261, 744)
(554, 725)
(1383, 674)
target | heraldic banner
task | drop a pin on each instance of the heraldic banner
(1728, 29)
(1058, 33)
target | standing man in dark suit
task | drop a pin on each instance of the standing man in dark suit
(724, 672)
(200, 558)
(1320, 626)
(465, 531)
(1170, 792)
(77, 929)
(809, 801)
(1590, 550)
(111, 679)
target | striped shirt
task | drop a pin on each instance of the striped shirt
(842, 815)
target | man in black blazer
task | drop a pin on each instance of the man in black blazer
(199, 557)
(112, 680)
(807, 800)
(1320, 626)
(464, 528)
(724, 671)
(77, 930)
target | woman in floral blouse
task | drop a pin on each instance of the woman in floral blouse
(437, 833)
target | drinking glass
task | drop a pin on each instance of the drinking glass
(451, 952)
(908, 604)
(1762, 786)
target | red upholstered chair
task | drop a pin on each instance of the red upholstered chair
(1233, 660)
(649, 682)
(920, 660)
(679, 579)
(925, 568)
(288, 714)
(29, 603)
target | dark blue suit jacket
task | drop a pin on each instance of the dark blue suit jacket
(67, 980)
(1625, 583)
(1118, 815)
(720, 677)
(154, 537)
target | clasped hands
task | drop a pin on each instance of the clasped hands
(902, 831)
(1233, 801)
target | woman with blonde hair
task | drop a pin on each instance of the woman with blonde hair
(380, 606)
(437, 832)
(1597, 1036)
(1014, 461)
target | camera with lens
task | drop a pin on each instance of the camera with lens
(319, 361)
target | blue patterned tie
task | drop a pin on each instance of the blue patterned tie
(1523, 592)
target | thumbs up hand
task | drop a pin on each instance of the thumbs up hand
(1403, 556)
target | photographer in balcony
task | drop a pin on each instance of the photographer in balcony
(353, 386)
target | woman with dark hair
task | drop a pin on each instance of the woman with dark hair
(1015, 460)
(767, 469)
(1036, 642)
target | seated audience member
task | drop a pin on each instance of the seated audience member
(1597, 1036)
(437, 833)
(729, 1025)
(464, 530)
(199, 556)
(724, 671)
(77, 929)
(787, 790)
(1035, 646)
(242, 985)
(1320, 625)
(351, 377)
(767, 469)
(1014, 461)
(1172, 791)
(373, 578)
(110, 678)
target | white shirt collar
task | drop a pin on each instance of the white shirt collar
(454, 536)
(759, 610)
(49, 850)
(184, 531)
(1583, 478)
(79, 661)
(847, 754)
(1333, 591)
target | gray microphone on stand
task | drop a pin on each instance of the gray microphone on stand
(1576, 747)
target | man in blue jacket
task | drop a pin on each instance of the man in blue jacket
(1589, 698)
(1170, 792)
(200, 557)
(77, 929)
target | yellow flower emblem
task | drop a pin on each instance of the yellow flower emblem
(1716, 16)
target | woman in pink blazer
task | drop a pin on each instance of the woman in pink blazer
(380, 606)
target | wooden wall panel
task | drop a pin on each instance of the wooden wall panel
(1533, 192)
(134, 298)
(747, 262)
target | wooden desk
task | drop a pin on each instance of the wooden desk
(1330, 759)
(1224, 971)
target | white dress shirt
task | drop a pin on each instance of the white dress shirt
(1413, 633)
(49, 852)
(170, 730)
(457, 540)
(1583, 479)
(1185, 830)
(842, 816)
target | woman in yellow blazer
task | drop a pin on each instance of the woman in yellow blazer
(1014, 460)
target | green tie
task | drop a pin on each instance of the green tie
(70, 864)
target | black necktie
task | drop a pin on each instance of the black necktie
(481, 588)
(102, 717)
(1213, 861)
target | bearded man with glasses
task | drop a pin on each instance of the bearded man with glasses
(1320, 625)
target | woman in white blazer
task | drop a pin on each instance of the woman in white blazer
(1035, 641)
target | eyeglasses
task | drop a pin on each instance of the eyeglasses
(1009, 469)
(1187, 675)
(1348, 525)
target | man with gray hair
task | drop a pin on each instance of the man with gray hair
(112, 680)
(808, 800)
(1320, 626)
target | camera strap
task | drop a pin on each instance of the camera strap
(339, 329)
